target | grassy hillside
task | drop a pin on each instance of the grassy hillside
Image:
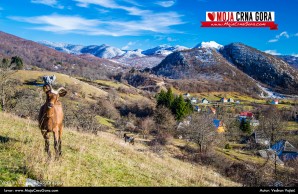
(91, 160)
(61, 79)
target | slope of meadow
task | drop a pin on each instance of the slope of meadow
(90, 160)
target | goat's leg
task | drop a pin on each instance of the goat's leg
(56, 142)
(47, 142)
(60, 140)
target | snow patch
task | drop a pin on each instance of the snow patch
(269, 93)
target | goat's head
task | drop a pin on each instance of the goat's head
(53, 95)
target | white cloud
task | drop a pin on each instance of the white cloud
(127, 46)
(52, 3)
(102, 10)
(272, 52)
(170, 39)
(160, 23)
(277, 37)
(59, 23)
(273, 40)
(165, 3)
(144, 21)
(296, 34)
(295, 55)
(111, 4)
(284, 33)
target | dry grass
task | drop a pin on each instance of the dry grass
(292, 125)
(91, 160)
(62, 79)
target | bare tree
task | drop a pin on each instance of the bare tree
(165, 123)
(146, 125)
(5, 82)
(202, 131)
(271, 123)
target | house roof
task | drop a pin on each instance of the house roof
(283, 146)
(246, 113)
(216, 123)
(213, 110)
(261, 137)
(285, 150)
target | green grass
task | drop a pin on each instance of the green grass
(239, 155)
(292, 125)
(91, 160)
(105, 121)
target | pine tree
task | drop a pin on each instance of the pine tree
(5, 63)
(245, 126)
(179, 107)
(169, 98)
(17, 62)
(161, 98)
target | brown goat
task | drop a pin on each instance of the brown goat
(51, 118)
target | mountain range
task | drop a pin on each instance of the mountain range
(207, 67)
(151, 57)
(36, 55)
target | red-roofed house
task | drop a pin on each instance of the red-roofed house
(246, 115)
(212, 110)
(274, 102)
(224, 100)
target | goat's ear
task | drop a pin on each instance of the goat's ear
(62, 92)
(46, 88)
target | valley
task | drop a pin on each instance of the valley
(201, 116)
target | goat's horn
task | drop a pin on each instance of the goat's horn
(61, 88)
(53, 91)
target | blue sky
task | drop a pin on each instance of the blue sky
(131, 24)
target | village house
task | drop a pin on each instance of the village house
(254, 123)
(230, 100)
(285, 151)
(204, 101)
(245, 115)
(219, 125)
(261, 139)
(186, 95)
(274, 101)
(223, 100)
(197, 108)
(194, 100)
(212, 110)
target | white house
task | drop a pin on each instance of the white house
(197, 108)
(204, 101)
(230, 100)
(186, 95)
(193, 100)
(224, 100)
(254, 123)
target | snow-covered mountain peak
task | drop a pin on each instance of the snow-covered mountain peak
(210, 44)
